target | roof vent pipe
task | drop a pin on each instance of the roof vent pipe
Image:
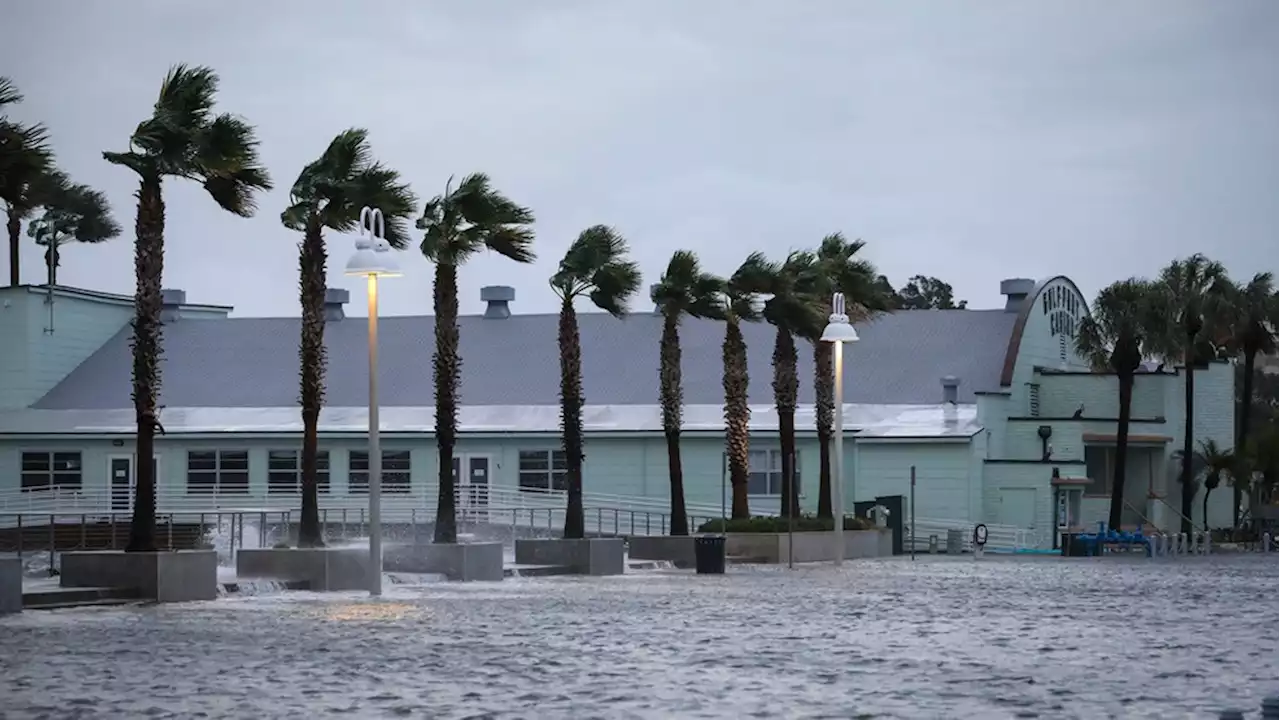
(1016, 291)
(950, 389)
(498, 298)
(171, 302)
(334, 299)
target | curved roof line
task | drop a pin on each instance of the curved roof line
(1015, 338)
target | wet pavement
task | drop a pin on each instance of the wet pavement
(937, 638)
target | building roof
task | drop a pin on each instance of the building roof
(513, 361)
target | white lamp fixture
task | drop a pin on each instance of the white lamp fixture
(838, 332)
(373, 259)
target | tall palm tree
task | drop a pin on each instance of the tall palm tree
(1192, 289)
(25, 163)
(793, 310)
(740, 305)
(182, 138)
(1114, 337)
(72, 213)
(1253, 333)
(457, 224)
(838, 268)
(329, 194)
(595, 267)
(683, 289)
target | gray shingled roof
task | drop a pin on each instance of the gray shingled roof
(253, 362)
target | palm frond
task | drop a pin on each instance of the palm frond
(473, 217)
(9, 93)
(684, 289)
(74, 213)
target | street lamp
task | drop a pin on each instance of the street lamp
(373, 259)
(838, 332)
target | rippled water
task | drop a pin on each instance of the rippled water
(937, 638)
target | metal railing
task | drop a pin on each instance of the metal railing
(1000, 538)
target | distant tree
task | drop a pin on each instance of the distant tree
(72, 213)
(26, 163)
(329, 194)
(885, 289)
(928, 293)
(1251, 331)
(595, 267)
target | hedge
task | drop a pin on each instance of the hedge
(771, 524)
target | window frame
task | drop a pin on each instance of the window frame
(277, 473)
(773, 475)
(553, 476)
(397, 469)
(227, 476)
(54, 479)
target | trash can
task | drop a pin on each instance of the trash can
(708, 554)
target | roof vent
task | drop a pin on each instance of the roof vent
(1016, 291)
(950, 389)
(171, 302)
(334, 299)
(498, 298)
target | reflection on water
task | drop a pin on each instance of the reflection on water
(935, 638)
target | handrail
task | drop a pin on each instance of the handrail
(1178, 512)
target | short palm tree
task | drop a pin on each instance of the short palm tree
(25, 164)
(182, 138)
(1115, 338)
(1219, 464)
(838, 268)
(1253, 333)
(1191, 289)
(684, 289)
(793, 310)
(457, 224)
(595, 267)
(72, 213)
(329, 194)
(740, 305)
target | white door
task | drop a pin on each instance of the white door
(471, 477)
(123, 481)
(1018, 509)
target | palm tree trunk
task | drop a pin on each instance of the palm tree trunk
(15, 247)
(1188, 437)
(672, 398)
(1242, 429)
(1122, 449)
(447, 372)
(148, 263)
(311, 352)
(737, 416)
(824, 393)
(786, 386)
(571, 417)
(1205, 507)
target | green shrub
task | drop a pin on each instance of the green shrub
(770, 524)
(282, 545)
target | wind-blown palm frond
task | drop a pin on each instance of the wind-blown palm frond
(473, 217)
(596, 266)
(9, 93)
(74, 213)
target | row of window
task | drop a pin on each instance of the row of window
(226, 472)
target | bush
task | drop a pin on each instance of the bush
(770, 524)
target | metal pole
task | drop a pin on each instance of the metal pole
(913, 512)
(375, 450)
(837, 464)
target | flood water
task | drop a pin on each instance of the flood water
(934, 638)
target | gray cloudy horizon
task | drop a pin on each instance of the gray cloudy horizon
(970, 141)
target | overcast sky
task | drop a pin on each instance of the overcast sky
(973, 140)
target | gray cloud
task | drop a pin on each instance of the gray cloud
(971, 141)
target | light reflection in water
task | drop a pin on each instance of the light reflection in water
(370, 612)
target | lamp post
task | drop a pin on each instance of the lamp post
(373, 259)
(838, 332)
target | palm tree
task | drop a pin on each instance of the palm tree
(595, 267)
(459, 223)
(793, 310)
(838, 269)
(1114, 338)
(182, 138)
(740, 305)
(25, 163)
(329, 194)
(72, 213)
(1253, 333)
(683, 289)
(1191, 290)
(1219, 464)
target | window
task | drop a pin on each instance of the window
(218, 472)
(284, 472)
(764, 473)
(543, 470)
(41, 470)
(395, 472)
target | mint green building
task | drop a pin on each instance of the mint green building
(994, 414)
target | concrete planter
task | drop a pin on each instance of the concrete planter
(10, 585)
(809, 546)
(462, 562)
(169, 576)
(323, 569)
(589, 556)
(678, 549)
